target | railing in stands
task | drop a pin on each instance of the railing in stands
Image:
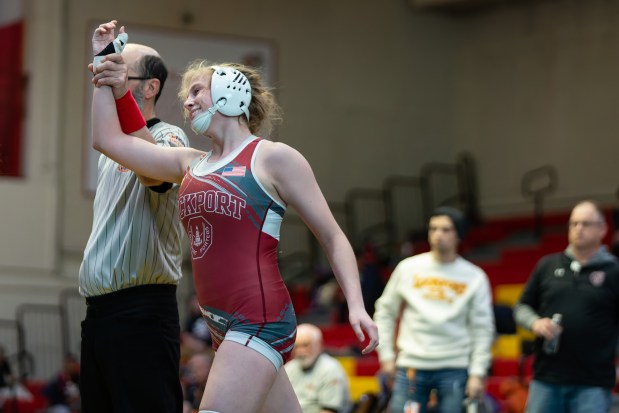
(356, 204)
(11, 339)
(464, 186)
(438, 184)
(374, 215)
(403, 225)
(42, 338)
(297, 264)
(537, 184)
(73, 307)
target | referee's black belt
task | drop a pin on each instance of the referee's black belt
(123, 295)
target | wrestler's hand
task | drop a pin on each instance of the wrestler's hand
(103, 35)
(360, 322)
(112, 72)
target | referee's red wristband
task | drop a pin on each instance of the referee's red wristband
(129, 114)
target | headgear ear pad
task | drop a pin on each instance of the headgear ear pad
(231, 95)
(231, 90)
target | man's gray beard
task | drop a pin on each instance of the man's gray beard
(138, 95)
(307, 361)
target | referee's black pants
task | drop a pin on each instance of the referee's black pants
(130, 352)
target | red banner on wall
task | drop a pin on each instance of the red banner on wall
(11, 96)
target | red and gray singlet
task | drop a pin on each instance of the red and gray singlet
(233, 228)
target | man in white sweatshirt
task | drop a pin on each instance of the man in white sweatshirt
(446, 328)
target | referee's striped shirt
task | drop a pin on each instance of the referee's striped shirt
(136, 233)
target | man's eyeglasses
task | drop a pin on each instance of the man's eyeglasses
(138, 78)
(584, 224)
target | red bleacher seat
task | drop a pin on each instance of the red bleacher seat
(301, 300)
(522, 258)
(484, 235)
(339, 335)
(34, 402)
(36, 387)
(505, 367)
(368, 365)
(493, 386)
(553, 242)
(499, 274)
(20, 406)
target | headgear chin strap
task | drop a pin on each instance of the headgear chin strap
(231, 95)
(200, 123)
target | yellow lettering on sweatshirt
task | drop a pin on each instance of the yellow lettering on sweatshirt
(439, 289)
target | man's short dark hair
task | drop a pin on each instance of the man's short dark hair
(153, 67)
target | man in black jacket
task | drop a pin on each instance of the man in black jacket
(582, 284)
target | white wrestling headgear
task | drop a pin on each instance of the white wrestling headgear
(231, 94)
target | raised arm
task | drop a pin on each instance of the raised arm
(165, 164)
(113, 72)
(295, 183)
(139, 155)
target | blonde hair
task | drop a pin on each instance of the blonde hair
(264, 111)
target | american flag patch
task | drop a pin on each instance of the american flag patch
(234, 171)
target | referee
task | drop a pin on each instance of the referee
(132, 263)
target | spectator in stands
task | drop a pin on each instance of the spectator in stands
(6, 376)
(11, 390)
(318, 380)
(369, 273)
(615, 218)
(447, 326)
(330, 295)
(195, 336)
(582, 284)
(194, 380)
(63, 393)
